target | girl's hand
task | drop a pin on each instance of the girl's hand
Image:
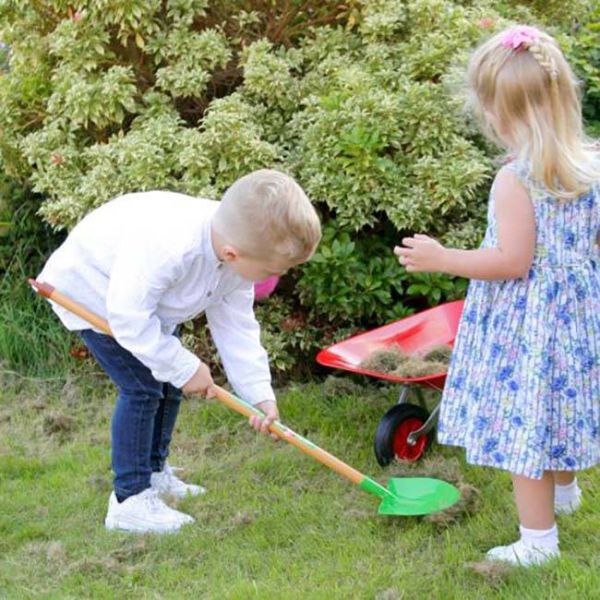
(420, 254)
(269, 407)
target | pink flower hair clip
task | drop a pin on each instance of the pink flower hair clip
(519, 37)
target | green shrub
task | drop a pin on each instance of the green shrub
(353, 281)
(358, 100)
(585, 56)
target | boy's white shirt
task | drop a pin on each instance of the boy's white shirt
(146, 263)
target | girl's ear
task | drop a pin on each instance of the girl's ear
(229, 253)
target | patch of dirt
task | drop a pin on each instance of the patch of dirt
(71, 393)
(242, 518)
(100, 483)
(53, 552)
(390, 594)
(356, 513)
(433, 465)
(131, 549)
(39, 404)
(56, 553)
(57, 423)
(467, 504)
(447, 469)
(120, 560)
(494, 572)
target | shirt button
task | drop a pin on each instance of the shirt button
(209, 294)
(220, 265)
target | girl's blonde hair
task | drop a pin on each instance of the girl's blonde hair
(528, 96)
(266, 214)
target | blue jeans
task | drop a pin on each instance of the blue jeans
(143, 419)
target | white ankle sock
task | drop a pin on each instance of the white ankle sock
(540, 538)
(566, 493)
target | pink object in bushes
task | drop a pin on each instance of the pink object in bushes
(263, 289)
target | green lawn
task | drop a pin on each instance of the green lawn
(274, 524)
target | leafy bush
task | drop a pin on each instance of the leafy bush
(357, 99)
(585, 55)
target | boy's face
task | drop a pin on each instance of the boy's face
(258, 269)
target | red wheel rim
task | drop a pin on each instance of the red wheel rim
(402, 449)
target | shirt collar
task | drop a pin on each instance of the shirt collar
(207, 245)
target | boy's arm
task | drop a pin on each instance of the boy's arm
(138, 278)
(510, 259)
(237, 336)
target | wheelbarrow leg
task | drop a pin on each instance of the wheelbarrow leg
(425, 428)
(420, 397)
(403, 394)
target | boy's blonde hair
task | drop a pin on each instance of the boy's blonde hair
(522, 78)
(266, 214)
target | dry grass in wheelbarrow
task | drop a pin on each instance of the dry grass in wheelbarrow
(393, 361)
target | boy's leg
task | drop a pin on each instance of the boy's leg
(133, 418)
(164, 423)
(163, 479)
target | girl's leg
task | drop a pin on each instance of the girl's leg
(567, 494)
(535, 500)
(563, 477)
(539, 535)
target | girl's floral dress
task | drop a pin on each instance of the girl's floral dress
(523, 390)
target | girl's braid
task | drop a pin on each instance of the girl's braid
(541, 52)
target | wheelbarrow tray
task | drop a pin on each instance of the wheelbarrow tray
(414, 335)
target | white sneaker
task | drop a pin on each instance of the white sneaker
(523, 554)
(144, 513)
(166, 483)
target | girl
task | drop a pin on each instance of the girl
(523, 390)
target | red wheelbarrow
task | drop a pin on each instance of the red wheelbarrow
(406, 430)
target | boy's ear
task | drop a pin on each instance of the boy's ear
(229, 253)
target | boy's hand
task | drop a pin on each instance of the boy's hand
(420, 253)
(201, 383)
(269, 407)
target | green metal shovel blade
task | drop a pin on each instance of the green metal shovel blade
(417, 496)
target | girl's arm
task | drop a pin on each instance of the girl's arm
(510, 259)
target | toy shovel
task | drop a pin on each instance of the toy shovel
(403, 496)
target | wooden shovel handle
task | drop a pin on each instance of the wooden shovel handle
(226, 398)
(50, 292)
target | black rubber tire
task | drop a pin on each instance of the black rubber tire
(393, 418)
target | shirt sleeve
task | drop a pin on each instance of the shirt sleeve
(237, 336)
(139, 276)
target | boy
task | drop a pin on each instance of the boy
(149, 261)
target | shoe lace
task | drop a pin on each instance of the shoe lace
(169, 472)
(153, 502)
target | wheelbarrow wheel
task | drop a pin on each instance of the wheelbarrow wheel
(391, 437)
